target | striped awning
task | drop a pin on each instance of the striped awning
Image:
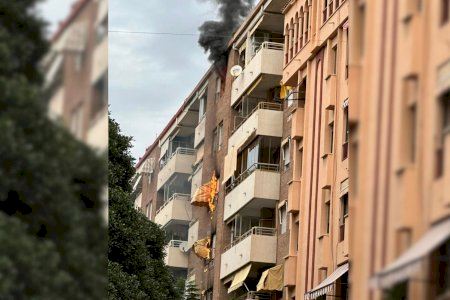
(239, 278)
(328, 284)
(409, 262)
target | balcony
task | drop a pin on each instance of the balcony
(199, 132)
(298, 123)
(258, 245)
(180, 161)
(266, 119)
(267, 61)
(177, 209)
(256, 187)
(175, 258)
(290, 270)
(294, 189)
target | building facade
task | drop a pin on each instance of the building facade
(76, 73)
(399, 97)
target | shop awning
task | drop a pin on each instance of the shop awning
(271, 279)
(409, 262)
(239, 278)
(327, 285)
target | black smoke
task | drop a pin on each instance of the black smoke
(214, 35)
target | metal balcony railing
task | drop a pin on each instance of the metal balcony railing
(256, 166)
(239, 120)
(179, 150)
(254, 231)
(258, 295)
(175, 243)
(175, 195)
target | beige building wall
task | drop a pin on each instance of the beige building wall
(399, 74)
(316, 68)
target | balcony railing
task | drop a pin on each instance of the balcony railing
(257, 295)
(175, 195)
(175, 243)
(254, 231)
(179, 150)
(249, 171)
(267, 45)
(239, 120)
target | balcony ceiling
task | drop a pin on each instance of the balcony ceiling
(253, 208)
(276, 5)
(272, 22)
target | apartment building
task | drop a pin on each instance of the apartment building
(315, 67)
(76, 73)
(400, 149)
(184, 157)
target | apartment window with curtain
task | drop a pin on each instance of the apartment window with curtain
(329, 134)
(218, 88)
(100, 95)
(148, 210)
(287, 154)
(202, 108)
(346, 132)
(283, 218)
(343, 216)
(218, 137)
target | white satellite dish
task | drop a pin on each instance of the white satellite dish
(236, 70)
(184, 247)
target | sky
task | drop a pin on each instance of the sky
(149, 75)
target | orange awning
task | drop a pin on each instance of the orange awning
(206, 194)
(201, 248)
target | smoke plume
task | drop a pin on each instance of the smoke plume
(214, 35)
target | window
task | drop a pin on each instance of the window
(102, 30)
(298, 162)
(100, 95)
(444, 109)
(326, 211)
(213, 245)
(148, 210)
(333, 60)
(330, 136)
(445, 11)
(287, 154)
(76, 122)
(346, 52)
(346, 133)
(218, 88)
(202, 108)
(218, 137)
(343, 216)
(291, 97)
(324, 11)
(283, 219)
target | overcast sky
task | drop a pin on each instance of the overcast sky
(149, 75)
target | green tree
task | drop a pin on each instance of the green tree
(191, 291)
(52, 234)
(136, 267)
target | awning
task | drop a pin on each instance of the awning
(271, 279)
(239, 278)
(327, 285)
(206, 194)
(409, 262)
(201, 248)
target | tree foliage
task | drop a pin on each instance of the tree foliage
(136, 267)
(52, 235)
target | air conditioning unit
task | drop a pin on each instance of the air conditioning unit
(149, 166)
(184, 247)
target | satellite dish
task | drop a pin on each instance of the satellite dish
(184, 247)
(236, 70)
